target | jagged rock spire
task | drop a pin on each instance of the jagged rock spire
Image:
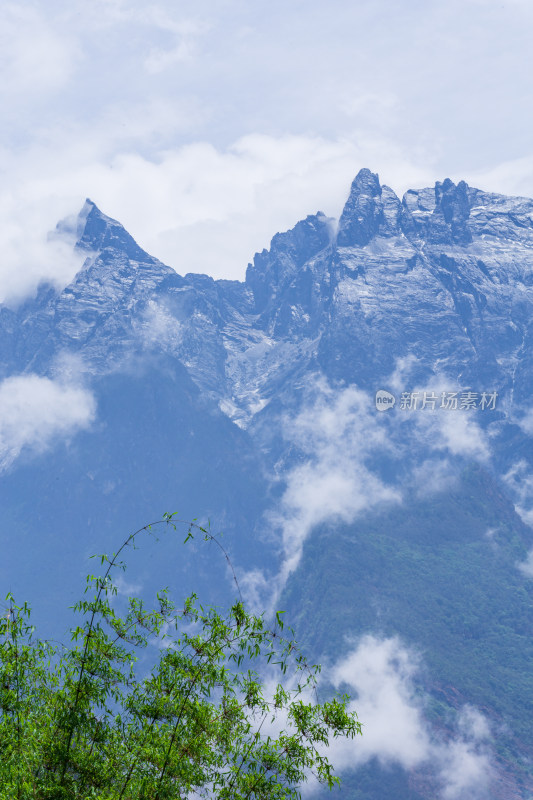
(97, 231)
(369, 210)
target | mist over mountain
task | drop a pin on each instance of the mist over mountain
(398, 540)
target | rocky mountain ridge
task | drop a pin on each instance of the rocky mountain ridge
(450, 267)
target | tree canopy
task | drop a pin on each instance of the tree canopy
(226, 708)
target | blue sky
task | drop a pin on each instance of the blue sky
(206, 127)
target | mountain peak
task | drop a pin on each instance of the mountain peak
(366, 182)
(96, 232)
(289, 251)
(369, 210)
(453, 205)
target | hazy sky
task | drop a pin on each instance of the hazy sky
(206, 127)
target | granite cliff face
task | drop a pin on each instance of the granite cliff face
(195, 381)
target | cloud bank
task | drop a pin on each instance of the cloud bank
(210, 208)
(207, 130)
(337, 434)
(380, 674)
(35, 412)
(345, 451)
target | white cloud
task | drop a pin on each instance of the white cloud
(434, 475)
(519, 479)
(526, 422)
(29, 254)
(465, 764)
(336, 434)
(381, 673)
(399, 378)
(526, 567)
(37, 59)
(459, 434)
(453, 431)
(126, 588)
(158, 327)
(182, 49)
(510, 176)
(35, 412)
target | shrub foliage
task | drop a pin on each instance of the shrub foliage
(199, 719)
